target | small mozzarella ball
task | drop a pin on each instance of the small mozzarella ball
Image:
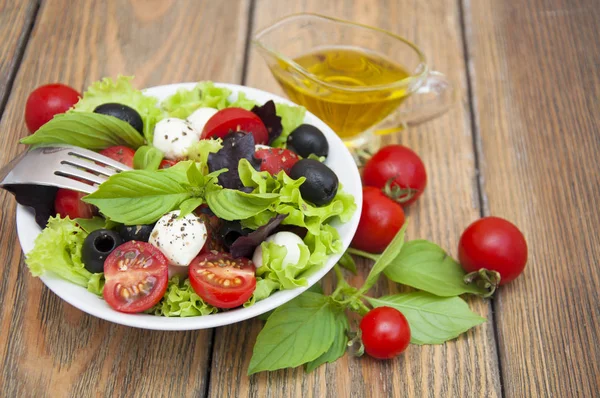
(174, 136)
(200, 116)
(180, 239)
(286, 239)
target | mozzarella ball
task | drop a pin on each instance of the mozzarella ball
(180, 239)
(286, 239)
(200, 116)
(174, 136)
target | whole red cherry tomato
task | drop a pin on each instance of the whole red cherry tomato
(380, 221)
(385, 332)
(46, 101)
(494, 244)
(399, 171)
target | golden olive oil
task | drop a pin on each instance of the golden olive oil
(355, 105)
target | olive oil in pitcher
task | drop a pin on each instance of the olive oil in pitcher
(343, 92)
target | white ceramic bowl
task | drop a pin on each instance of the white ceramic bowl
(339, 160)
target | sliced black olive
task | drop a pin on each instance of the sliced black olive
(123, 112)
(141, 233)
(230, 231)
(321, 183)
(97, 246)
(307, 139)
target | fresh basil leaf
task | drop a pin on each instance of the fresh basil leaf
(189, 205)
(347, 262)
(230, 204)
(195, 177)
(87, 130)
(432, 319)
(424, 265)
(147, 158)
(90, 225)
(298, 332)
(390, 253)
(139, 196)
(338, 348)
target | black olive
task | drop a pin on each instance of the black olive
(307, 139)
(140, 233)
(97, 246)
(321, 183)
(123, 112)
(230, 231)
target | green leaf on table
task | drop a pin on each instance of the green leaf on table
(338, 348)
(347, 262)
(432, 319)
(231, 204)
(147, 158)
(386, 258)
(425, 266)
(90, 225)
(298, 332)
(87, 130)
(140, 196)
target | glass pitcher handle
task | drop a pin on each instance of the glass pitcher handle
(435, 96)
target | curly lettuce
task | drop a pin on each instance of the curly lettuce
(57, 250)
(121, 91)
(289, 276)
(300, 212)
(180, 300)
(204, 95)
(292, 116)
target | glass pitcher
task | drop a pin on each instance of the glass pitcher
(354, 77)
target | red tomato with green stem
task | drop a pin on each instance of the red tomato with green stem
(221, 280)
(69, 203)
(120, 153)
(380, 221)
(493, 244)
(235, 119)
(397, 170)
(47, 101)
(136, 275)
(385, 332)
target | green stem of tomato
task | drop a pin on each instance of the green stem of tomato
(364, 254)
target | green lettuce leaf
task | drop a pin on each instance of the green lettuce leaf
(289, 276)
(243, 102)
(204, 95)
(57, 250)
(199, 151)
(181, 300)
(264, 288)
(323, 244)
(292, 116)
(121, 91)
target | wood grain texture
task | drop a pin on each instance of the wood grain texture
(465, 367)
(47, 347)
(537, 94)
(16, 18)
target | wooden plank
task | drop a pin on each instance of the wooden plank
(47, 347)
(16, 18)
(465, 367)
(537, 95)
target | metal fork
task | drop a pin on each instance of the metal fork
(62, 166)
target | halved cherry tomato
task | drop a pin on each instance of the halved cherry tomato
(69, 203)
(136, 275)
(166, 163)
(221, 280)
(235, 119)
(47, 101)
(274, 160)
(120, 153)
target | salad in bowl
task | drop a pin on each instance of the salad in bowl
(236, 202)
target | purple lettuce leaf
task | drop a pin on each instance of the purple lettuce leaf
(244, 245)
(237, 145)
(268, 114)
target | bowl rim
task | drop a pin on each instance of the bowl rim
(25, 221)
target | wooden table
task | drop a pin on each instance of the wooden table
(522, 143)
